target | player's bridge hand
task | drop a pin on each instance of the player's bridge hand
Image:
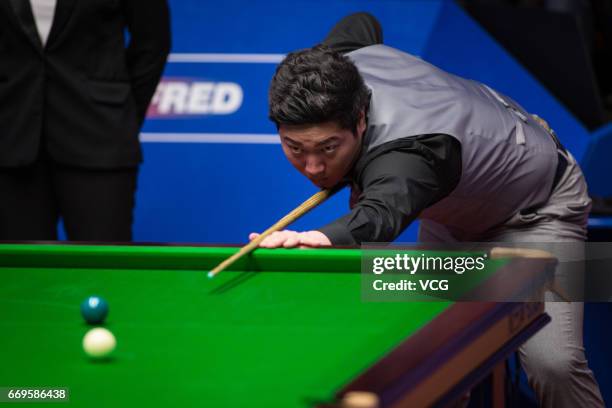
(292, 239)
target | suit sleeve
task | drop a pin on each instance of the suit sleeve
(396, 186)
(148, 22)
(353, 32)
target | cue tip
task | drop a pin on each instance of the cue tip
(210, 275)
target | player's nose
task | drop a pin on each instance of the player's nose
(314, 167)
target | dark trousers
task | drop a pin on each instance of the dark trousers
(95, 205)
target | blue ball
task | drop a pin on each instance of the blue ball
(94, 309)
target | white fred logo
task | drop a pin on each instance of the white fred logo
(196, 98)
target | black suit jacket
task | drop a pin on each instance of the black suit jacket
(83, 96)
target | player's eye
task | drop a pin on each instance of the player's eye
(330, 148)
(295, 149)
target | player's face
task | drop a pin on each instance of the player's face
(323, 152)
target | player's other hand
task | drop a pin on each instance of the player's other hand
(292, 239)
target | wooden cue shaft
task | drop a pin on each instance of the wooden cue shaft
(504, 252)
(302, 209)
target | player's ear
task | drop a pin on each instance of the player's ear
(361, 124)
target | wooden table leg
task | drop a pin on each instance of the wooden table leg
(499, 385)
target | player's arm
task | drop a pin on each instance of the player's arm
(353, 32)
(148, 23)
(396, 186)
(398, 182)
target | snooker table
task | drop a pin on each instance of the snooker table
(280, 328)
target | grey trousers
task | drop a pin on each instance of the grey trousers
(554, 358)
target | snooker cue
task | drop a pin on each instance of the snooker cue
(302, 209)
(503, 252)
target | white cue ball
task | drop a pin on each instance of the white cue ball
(99, 342)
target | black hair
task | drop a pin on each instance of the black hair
(317, 85)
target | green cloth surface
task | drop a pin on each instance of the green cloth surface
(282, 328)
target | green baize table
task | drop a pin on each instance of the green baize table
(280, 328)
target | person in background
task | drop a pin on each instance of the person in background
(74, 91)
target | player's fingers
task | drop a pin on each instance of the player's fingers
(275, 240)
(308, 241)
(314, 239)
(268, 242)
(253, 235)
(292, 241)
(285, 236)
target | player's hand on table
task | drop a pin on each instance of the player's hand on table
(292, 239)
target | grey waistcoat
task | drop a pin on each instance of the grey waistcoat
(508, 159)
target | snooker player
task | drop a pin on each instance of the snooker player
(415, 141)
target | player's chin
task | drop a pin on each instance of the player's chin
(324, 184)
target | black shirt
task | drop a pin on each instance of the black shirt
(394, 182)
